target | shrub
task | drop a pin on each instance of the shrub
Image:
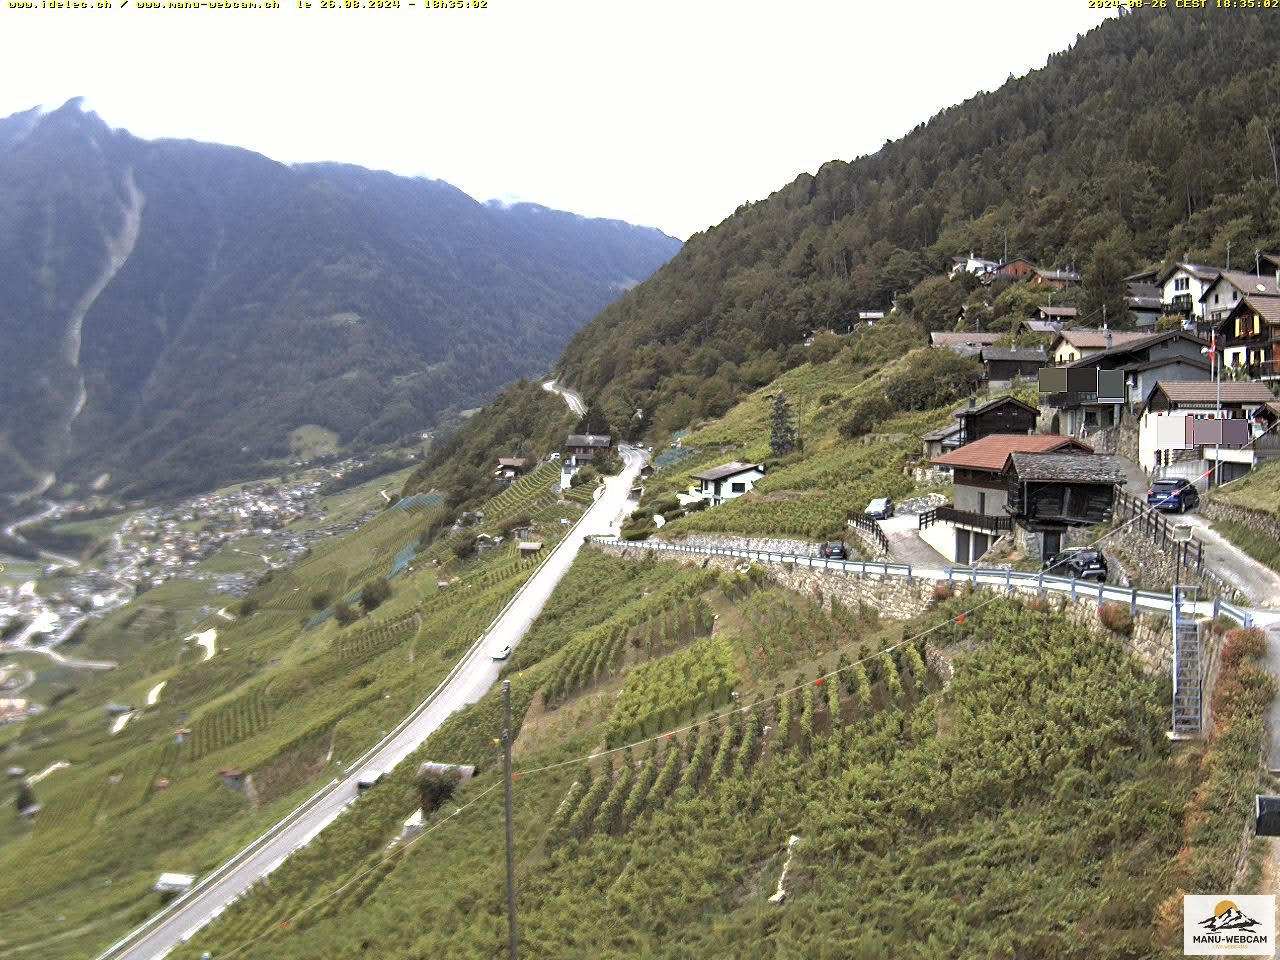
(320, 599)
(1116, 618)
(1242, 642)
(374, 593)
(941, 591)
(434, 788)
(344, 614)
(247, 606)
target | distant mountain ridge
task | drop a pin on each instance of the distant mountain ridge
(171, 309)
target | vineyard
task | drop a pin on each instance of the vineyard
(229, 723)
(661, 693)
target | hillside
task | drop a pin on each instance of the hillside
(173, 311)
(1109, 157)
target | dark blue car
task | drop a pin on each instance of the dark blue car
(1173, 493)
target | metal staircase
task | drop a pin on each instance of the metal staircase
(1188, 708)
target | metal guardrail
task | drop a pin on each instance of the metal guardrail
(978, 576)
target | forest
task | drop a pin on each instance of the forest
(1152, 138)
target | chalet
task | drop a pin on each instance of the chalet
(1163, 428)
(1182, 286)
(1006, 364)
(728, 481)
(937, 442)
(963, 342)
(1249, 337)
(1054, 315)
(972, 422)
(980, 268)
(1221, 297)
(965, 531)
(1057, 279)
(588, 447)
(1019, 268)
(510, 467)
(1172, 355)
(1047, 493)
(1068, 346)
(1143, 300)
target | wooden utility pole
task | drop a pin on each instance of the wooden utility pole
(512, 940)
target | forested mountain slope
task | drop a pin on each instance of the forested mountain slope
(172, 310)
(1151, 138)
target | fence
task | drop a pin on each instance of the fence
(867, 525)
(967, 517)
(1009, 579)
(1189, 554)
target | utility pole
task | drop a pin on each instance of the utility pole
(512, 940)
(1228, 254)
(1217, 455)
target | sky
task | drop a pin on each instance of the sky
(662, 113)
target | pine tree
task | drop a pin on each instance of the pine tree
(782, 431)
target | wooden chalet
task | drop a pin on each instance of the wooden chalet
(588, 446)
(1047, 493)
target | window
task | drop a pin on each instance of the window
(1235, 295)
(739, 488)
(1215, 298)
(982, 503)
(1182, 283)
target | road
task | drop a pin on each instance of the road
(471, 679)
(907, 546)
(571, 397)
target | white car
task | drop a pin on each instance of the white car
(502, 652)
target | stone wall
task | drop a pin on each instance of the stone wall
(1135, 549)
(801, 548)
(1260, 520)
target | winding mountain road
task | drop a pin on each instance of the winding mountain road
(469, 681)
(571, 397)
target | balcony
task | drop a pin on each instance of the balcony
(966, 518)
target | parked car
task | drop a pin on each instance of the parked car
(1173, 493)
(881, 508)
(368, 780)
(1079, 562)
(834, 550)
(502, 652)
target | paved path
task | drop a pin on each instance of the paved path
(470, 680)
(571, 397)
(906, 544)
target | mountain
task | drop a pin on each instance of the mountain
(173, 310)
(1153, 138)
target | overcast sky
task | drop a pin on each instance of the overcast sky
(664, 113)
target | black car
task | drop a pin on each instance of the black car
(834, 550)
(1080, 563)
(1173, 493)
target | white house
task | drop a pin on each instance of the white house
(979, 267)
(728, 481)
(1221, 296)
(1169, 403)
(1183, 285)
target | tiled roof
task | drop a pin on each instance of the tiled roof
(512, 461)
(1206, 391)
(991, 452)
(942, 433)
(958, 339)
(1268, 308)
(1078, 467)
(1095, 339)
(1042, 326)
(727, 470)
(1013, 353)
(1058, 311)
(1248, 283)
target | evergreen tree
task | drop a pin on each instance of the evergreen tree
(782, 432)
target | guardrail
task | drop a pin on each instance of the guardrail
(867, 525)
(281, 825)
(978, 576)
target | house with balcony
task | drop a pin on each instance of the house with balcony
(1054, 279)
(509, 468)
(984, 270)
(1169, 444)
(1068, 346)
(1140, 361)
(972, 422)
(1019, 268)
(586, 447)
(1249, 337)
(1003, 365)
(965, 342)
(965, 531)
(728, 481)
(1231, 286)
(1183, 285)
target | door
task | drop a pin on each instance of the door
(982, 504)
(1052, 544)
(962, 546)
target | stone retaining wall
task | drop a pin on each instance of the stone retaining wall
(1261, 520)
(801, 548)
(1135, 550)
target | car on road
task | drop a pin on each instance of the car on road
(1081, 563)
(368, 780)
(1173, 493)
(835, 550)
(881, 508)
(502, 652)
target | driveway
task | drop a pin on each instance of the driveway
(906, 544)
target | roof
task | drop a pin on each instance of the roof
(512, 461)
(992, 404)
(728, 470)
(1248, 283)
(1066, 312)
(942, 433)
(1097, 339)
(1018, 260)
(1042, 326)
(1144, 303)
(1167, 362)
(1013, 353)
(1206, 391)
(1134, 343)
(960, 339)
(991, 452)
(1200, 271)
(588, 440)
(1142, 276)
(1080, 468)
(1057, 274)
(1268, 308)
